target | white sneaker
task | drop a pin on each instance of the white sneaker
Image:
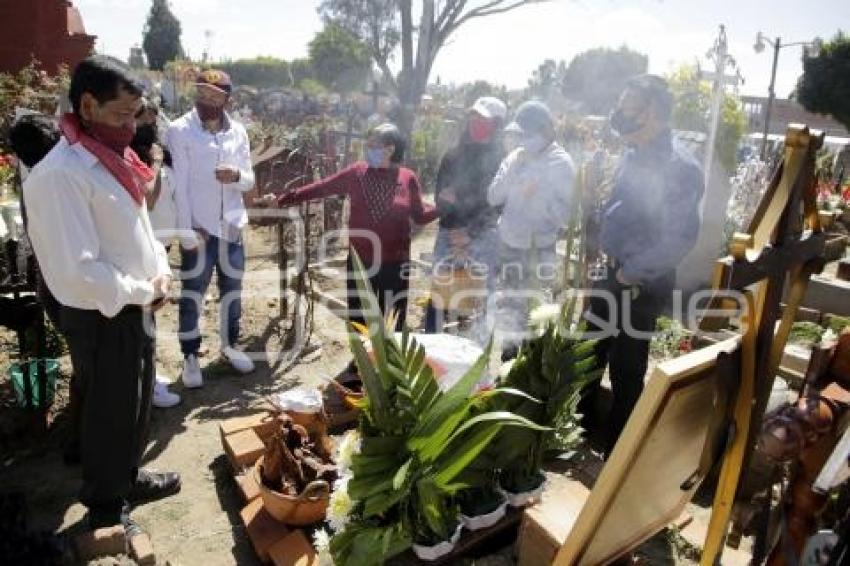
(238, 359)
(192, 377)
(162, 397)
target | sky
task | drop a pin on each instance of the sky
(506, 48)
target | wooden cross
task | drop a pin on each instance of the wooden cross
(348, 135)
(784, 240)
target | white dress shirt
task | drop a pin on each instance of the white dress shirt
(94, 244)
(536, 193)
(163, 215)
(202, 201)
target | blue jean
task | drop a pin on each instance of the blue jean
(228, 260)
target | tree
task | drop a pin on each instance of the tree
(339, 59)
(824, 86)
(474, 91)
(300, 70)
(692, 101)
(384, 25)
(547, 79)
(161, 36)
(258, 72)
(32, 88)
(596, 77)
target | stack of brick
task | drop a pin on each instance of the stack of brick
(243, 441)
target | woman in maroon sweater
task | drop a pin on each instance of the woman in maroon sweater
(385, 200)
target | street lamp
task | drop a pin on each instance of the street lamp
(812, 48)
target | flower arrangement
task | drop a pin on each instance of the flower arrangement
(414, 449)
(554, 366)
(670, 339)
(7, 175)
(748, 186)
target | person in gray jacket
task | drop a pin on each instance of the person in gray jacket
(650, 222)
(534, 187)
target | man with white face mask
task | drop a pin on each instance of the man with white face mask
(534, 187)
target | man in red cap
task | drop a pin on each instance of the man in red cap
(212, 167)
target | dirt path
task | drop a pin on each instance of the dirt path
(200, 525)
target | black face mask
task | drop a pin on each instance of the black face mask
(146, 135)
(624, 125)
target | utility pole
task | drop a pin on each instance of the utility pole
(205, 56)
(810, 47)
(719, 53)
(771, 95)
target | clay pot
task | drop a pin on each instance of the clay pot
(307, 508)
(308, 420)
(815, 415)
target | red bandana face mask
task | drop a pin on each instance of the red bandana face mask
(208, 112)
(481, 130)
(124, 165)
(116, 138)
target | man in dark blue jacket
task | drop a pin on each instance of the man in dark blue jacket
(650, 223)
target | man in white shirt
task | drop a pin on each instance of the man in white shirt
(212, 168)
(92, 236)
(534, 187)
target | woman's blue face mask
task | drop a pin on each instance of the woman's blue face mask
(375, 156)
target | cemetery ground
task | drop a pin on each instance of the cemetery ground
(201, 525)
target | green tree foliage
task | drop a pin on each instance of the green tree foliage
(259, 72)
(546, 80)
(427, 145)
(33, 88)
(474, 91)
(300, 69)
(384, 25)
(311, 87)
(161, 36)
(690, 112)
(339, 60)
(824, 86)
(597, 77)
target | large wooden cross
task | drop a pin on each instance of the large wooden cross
(783, 242)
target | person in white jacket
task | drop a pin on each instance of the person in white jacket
(212, 168)
(162, 206)
(534, 188)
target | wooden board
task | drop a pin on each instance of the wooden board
(668, 446)
(545, 526)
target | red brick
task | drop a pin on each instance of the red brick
(248, 488)
(262, 423)
(243, 448)
(108, 541)
(141, 550)
(263, 529)
(294, 550)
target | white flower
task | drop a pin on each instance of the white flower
(322, 544)
(828, 338)
(340, 505)
(348, 447)
(505, 369)
(544, 314)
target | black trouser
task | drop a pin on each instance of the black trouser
(626, 355)
(113, 364)
(390, 282)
